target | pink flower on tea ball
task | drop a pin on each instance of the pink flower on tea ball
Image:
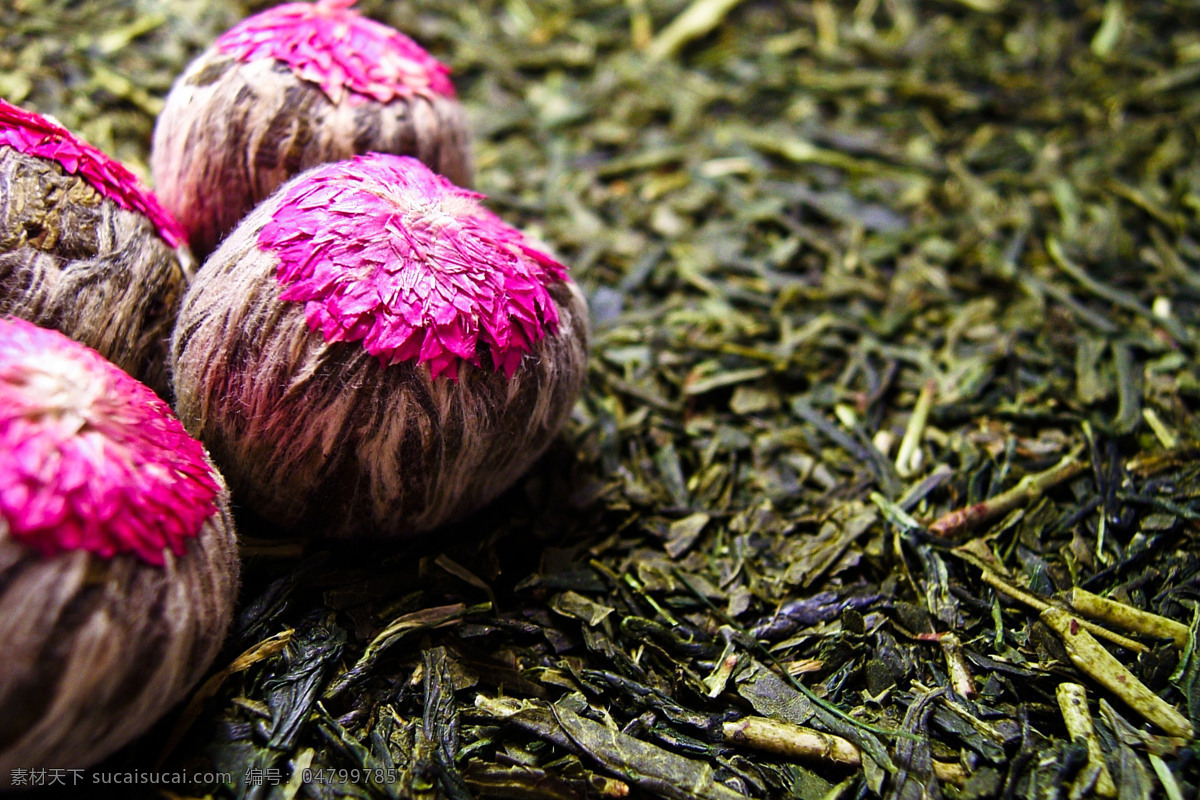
(346, 54)
(118, 558)
(85, 248)
(380, 249)
(372, 352)
(289, 88)
(35, 135)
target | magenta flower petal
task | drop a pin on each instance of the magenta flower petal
(35, 135)
(91, 459)
(401, 259)
(335, 47)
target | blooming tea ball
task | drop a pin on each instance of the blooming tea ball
(118, 559)
(292, 87)
(371, 352)
(85, 248)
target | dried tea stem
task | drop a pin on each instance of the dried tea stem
(787, 739)
(1030, 488)
(1107, 293)
(956, 665)
(696, 20)
(1072, 701)
(1090, 657)
(1170, 783)
(1032, 600)
(1166, 436)
(908, 460)
(1127, 617)
(796, 741)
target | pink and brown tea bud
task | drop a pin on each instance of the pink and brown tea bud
(372, 352)
(85, 248)
(118, 558)
(295, 86)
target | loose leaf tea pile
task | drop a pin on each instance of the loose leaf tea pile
(887, 476)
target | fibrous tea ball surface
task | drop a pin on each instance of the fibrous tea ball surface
(85, 248)
(118, 559)
(371, 352)
(290, 88)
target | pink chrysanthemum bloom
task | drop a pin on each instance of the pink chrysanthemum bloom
(371, 352)
(381, 250)
(338, 49)
(35, 135)
(92, 459)
(290, 88)
(85, 247)
(118, 557)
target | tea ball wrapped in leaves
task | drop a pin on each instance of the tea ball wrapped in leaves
(85, 248)
(292, 87)
(371, 352)
(118, 559)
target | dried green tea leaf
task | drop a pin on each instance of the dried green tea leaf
(649, 767)
(771, 696)
(574, 605)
